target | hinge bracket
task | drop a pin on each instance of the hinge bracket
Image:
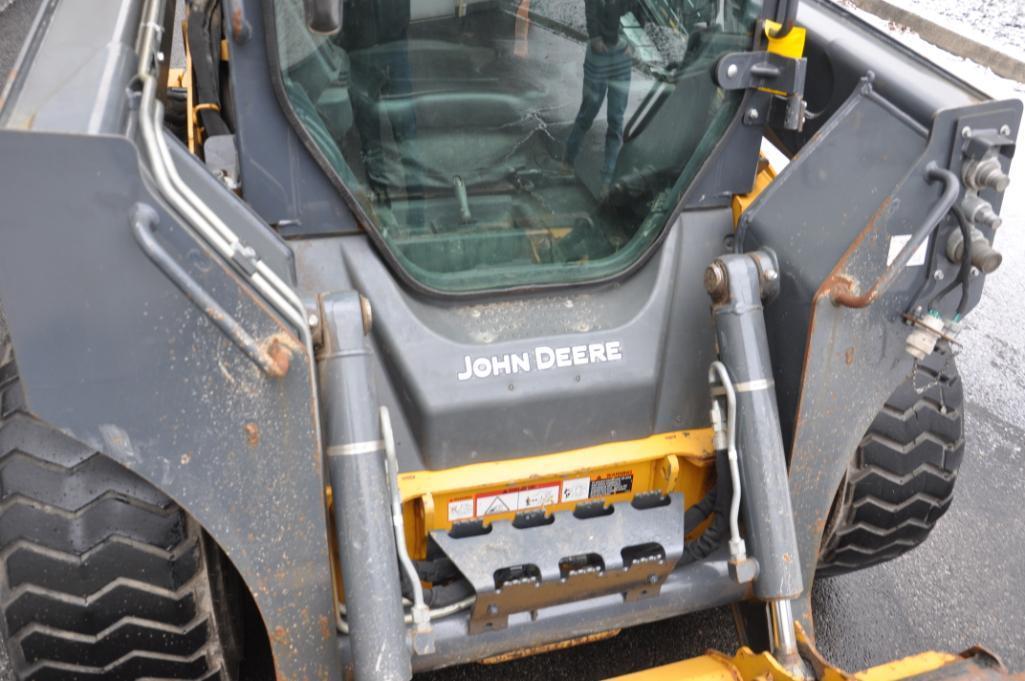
(778, 79)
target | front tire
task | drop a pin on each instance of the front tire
(101, 575)
(901, 478)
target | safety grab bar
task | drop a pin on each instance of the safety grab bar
(841, 293)
(144, 219)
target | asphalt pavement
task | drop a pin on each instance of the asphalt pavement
(964, 586)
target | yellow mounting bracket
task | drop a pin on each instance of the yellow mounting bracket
(791, 45)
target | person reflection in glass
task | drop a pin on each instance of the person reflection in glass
(374, 34)
(607, 67)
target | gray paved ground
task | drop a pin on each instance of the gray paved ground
(964, 586)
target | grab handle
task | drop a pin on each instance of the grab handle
(144, 219)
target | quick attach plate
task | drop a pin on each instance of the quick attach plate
(520, 566)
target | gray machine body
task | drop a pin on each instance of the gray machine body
(110, 352)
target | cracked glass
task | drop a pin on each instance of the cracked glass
(509, 143)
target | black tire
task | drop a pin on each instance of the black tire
(901, 478)
(101, 575)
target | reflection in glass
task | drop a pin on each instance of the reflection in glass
(499, 143)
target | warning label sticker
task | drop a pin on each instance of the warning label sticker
(576, 489)
(615, 483)
(520, 499)
(515, 499)
(460, 509)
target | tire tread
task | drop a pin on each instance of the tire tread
(101, 575)
(901, 479)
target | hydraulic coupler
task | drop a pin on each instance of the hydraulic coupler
(738, 284)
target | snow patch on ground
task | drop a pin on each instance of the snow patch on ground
(997, 23)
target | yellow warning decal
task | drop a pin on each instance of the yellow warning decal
(540, 495)
(612, 472)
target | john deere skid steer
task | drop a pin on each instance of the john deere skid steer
(363, 338)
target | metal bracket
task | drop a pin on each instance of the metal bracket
(630, 549)
(761, 70)
(244, 257)
(778, 82)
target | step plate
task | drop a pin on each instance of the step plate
(629, 551)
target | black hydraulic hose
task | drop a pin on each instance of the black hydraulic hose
(696, 514)
(448, 594)
(713, 536)
(204, 48)
(436, 570)
(931, 267)
(964, 272)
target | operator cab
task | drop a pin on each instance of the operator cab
(513, 142)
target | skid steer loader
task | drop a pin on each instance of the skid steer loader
(379, 336)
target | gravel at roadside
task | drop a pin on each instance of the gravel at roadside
(1000, 24)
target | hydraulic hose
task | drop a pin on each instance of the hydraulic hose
(711, 539)
(717, 373)
(964, 272)
(696, 514)
(423, 641)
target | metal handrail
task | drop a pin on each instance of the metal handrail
(841, 293)
(144, 219)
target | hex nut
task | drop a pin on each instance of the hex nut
(715, 282)
(743, 571)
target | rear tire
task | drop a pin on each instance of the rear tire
(101, 575)
(901, 478)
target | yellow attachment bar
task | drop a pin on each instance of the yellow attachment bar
(704, 668)
(766, 174)
(667, 462)
(907, 667)
(750, 666)
(791, 45)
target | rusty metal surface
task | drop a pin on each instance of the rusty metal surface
(863, 180)
(111, 352)
(977, 664)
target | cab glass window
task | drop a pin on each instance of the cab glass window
(502, 143)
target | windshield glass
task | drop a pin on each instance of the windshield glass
(503, 143)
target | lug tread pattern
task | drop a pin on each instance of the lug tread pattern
(83, 575)
(101, 576)
(902, 476)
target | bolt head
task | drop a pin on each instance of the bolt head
(367, 312)
(974, 272)
(731, 71)
(966, 132)
(715, 281)
(771, 275)
(752, 114)
(938, 275)
(1005, 130)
